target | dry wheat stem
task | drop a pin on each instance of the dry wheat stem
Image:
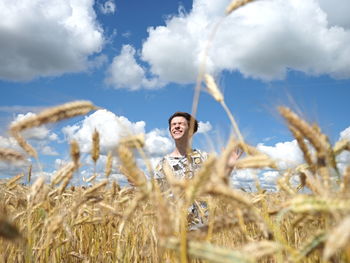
(200, 178)
(54, 114)
(297, 135)
(75, 152)
(14, 180)
(201, 71)
(62, 172)
(95, 188)
(10, 155)
(216, 93)
(255, 162)
(24, 144)
(235, 126)
(319, 141)
(235, 4)
(338, 238)
(222, 163)
(345, 185)
(35, 189)
(30, 172)
(109, 163)
(91, 178)
(134, 175)
(213, 88)
(133, 141)
(66, 179)
(95, 150)
(341, 146)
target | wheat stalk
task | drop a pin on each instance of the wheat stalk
(215, 92)
(75, 152)
(134, 175)
(15, 179)
(24, 144)
(53, 114)
(235, 4)
(95, 151)
(62, 172)
(338, 238)
(10, 155)
(109, 163)
(133, 141)
(341, 146)
(95, 188)
(255, 162)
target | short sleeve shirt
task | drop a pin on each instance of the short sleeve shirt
(182, 167)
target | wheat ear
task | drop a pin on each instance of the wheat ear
(235, 5)
(54, 114)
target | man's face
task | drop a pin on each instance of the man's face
(179, 128)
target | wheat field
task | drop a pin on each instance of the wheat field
(59, 222)
(56, 221)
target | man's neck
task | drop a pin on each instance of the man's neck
(180, 149)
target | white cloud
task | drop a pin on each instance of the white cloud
(110, 127)
(47, 150)
(345, 134)
(158, 143)
(204, 127)
(337, 12)
(39, 137)
(37, 133)
(261, 40)
(47, 37)
(286, 154)
(124, 72)
(269, 177)
(108, 7)
(11, 168)
(343, 159)
(8, 143)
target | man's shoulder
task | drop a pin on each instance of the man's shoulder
(199, 153)
(159, 166)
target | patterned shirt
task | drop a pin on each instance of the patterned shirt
(181, 166)
(185, 167)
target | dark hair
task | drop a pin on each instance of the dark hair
(187, 116)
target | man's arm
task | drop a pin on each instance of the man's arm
(234, 156)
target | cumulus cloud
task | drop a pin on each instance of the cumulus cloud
(345, 134)
(125, 72)
(37, 133)
(262, 40)
(286, 154)
(337, 12)
(204, 127)
(6, 168)
(110, 127)
(47, 150)
(8, 143)
(108, 7)
(343, 159)
(39, 137)
(47, 37)
(158, 143)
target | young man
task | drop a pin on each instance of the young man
(182, 162)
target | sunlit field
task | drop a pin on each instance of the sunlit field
(54, 220)
(59, 222)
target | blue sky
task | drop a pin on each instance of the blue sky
(139, 61)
